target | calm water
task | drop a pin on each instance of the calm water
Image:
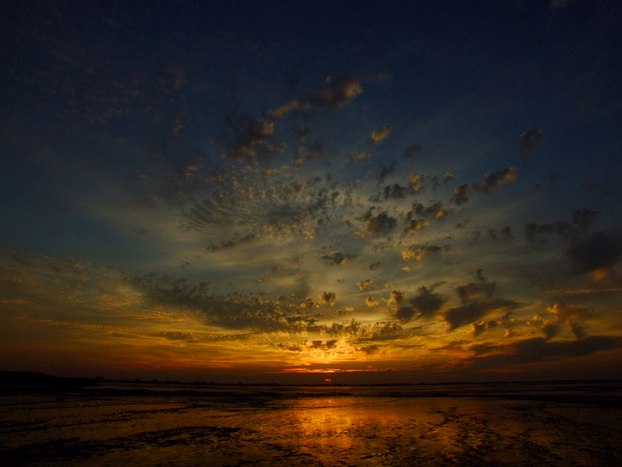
(559, 424)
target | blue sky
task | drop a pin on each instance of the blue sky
(401, 192)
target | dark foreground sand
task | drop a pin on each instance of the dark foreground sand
(561, 424)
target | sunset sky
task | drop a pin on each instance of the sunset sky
(289, 192)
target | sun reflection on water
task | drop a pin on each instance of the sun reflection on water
(342, 422)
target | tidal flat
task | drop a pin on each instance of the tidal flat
(145, 424)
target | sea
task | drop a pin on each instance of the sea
(562, 423)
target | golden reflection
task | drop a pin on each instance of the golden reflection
(340, 422)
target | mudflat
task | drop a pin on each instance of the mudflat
(139, 424)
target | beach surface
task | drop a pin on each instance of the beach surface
(141, 424)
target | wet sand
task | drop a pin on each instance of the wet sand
(552, 424)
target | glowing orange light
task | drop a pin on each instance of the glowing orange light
(328, 380)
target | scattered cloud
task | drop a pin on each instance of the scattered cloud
(574, 315)
(397, 298)
(385, 170)
(338, 91)
(506, 233)
(412, 150)
(338, 258)
(416, 224)
(493, 180)
(476, 290)
(434, 211)
(369, 349)
(328, 298)
(235, 312)
(415, 183)
(561, 228)
(461, 193)
(395, 192)
(596, 251)
(427, 302)
(307, 346)
(382, 224)
(418, 252)
(536, 349)
(363, 285)
(379, 135)
(478, 328)
(584, 218)
(238, 239)
(476, 311)
(251, 142)
(356, 156)
(531, 140)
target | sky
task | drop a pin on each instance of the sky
(295, 192)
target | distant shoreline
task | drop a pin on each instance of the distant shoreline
(29, 378)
